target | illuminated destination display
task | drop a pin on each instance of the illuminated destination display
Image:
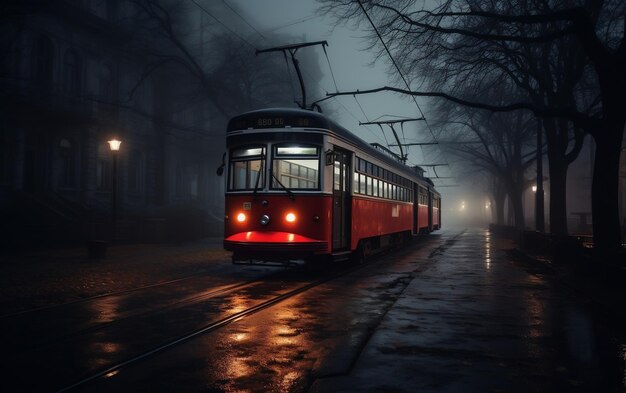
(266, 120)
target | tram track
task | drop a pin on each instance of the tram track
(33, 332)
(96, 352)
(101, 296)
(175, 304)
(115, 368)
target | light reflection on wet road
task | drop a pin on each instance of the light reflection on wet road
(469, 320)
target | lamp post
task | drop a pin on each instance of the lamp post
(114, 145)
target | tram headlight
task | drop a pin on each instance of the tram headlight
(241, 217)
(290, 217)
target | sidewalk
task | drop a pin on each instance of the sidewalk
(477, 321)
(37, 279)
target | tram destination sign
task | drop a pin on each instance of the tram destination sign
(245, 122)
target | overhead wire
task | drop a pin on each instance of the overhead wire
(368, 120)
(406, 83)
(223, 25)
(203, 9)
(242, 18)
(293, 90)
(332, 74)
(297, 21)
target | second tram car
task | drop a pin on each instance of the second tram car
(299, 186)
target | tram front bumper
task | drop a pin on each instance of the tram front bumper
(273, 244)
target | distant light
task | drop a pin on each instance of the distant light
(534, 188)
(114, 144)
(241, 217)
(290, 217)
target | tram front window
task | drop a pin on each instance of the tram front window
(296, 167)
(245, 168)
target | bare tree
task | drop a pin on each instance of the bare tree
(442, 38)
(504, 148)
(226, 71)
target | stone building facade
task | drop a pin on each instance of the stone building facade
(67, 71)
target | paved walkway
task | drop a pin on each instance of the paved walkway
(475, 321)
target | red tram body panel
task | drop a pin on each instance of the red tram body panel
(422, 218)
(299, 186)
(372, 218)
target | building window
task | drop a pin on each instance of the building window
(180, 183)
(103, 169)
(67, 169)
(136, 172)
(193, 181)
(71, 74)
(105, 83)
(43, 65)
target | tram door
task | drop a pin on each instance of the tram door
(342, 203)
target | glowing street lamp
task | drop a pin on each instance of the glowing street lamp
(114, 145)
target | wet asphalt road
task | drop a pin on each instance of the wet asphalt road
(452, 313)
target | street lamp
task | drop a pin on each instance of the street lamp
(114, 145)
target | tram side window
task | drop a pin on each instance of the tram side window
(362, 188)
(360, 165)
(296, 167)
(245, 167)
(372, 180)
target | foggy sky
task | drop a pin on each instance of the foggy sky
(353, 67)
(350, 63)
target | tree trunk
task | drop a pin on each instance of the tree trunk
(500, 200)
(608, 137)
(558, 197)
(518, 209)
(604, 188)
(557, 166)
(499, 196)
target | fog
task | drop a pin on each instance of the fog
(165, 76)
(352, 67)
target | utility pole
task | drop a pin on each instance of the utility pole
(292, 49)
(391, 123)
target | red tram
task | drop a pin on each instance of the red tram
(299, 186)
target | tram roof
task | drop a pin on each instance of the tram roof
(301, 118)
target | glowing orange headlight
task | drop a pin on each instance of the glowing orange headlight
(290, 217)
(241, 217)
